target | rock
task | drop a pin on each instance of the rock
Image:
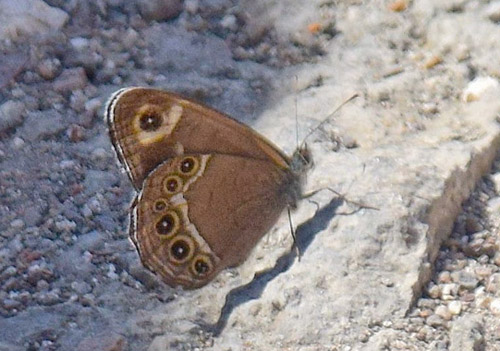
(479, 87)
(159, 10)
(28, 17)
(49, 68)
(455, 307)
(492, 11)
(11, 114)
(465, 280)
(41, 125)
(467, 334)
(71, 79)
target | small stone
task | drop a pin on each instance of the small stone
(48, 298)
(434, 291)
(87, 300)
(99, 154)
(80, 43)
(75, 133)
(444, 277)
(36, 273)
(434, 321)
(465, 280)
(493, 283)
(8, 272)
(71, 79)
(479, 87)
(93, 105)
(492, 11)
(448, 291)
(443, 312)
(17, 143)
(496, 259)
(49, 68)
(10, 304)
(398, 5)
(229, 22)
(42, 285)
(67, 164)
(81, 288)
(11, 114)
(483, 272)
(17, 224)
(455, 307)
(495, 306)
(159, 10)
(191, 6)
(65, 226)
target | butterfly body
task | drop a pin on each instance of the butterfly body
(208, 186)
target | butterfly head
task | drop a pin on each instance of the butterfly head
(301, 160)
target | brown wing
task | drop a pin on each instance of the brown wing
(149, 126)
(199, 214)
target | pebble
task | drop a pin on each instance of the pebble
(11, 114)
(465, 280)
(10, 304)
(93, 105)
(36, 273)
(448, 291)
(17, 224)
(17, 143)
(81, 287)
(71, 79)
(479, 87)
(80, 43)
(434, 291)
(443, 312)
(65, 225)
(455, 307)
(48, 298)
(492, 11)
(495, 306)
(159, 10)
(48, 69)
(444, 277)
(434, 321)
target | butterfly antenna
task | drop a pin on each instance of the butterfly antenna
(327, 118)
(296, 114)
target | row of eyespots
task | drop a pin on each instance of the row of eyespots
(181, 247)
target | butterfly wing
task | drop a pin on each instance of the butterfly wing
(149, 126)
(198, 214)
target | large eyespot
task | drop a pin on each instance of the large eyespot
(172, 184)
(189, 165)
(181, 248)
(160, 205)
(202, 266)
(149, 118)
(168, 224)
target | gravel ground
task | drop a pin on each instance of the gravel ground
(69, 277)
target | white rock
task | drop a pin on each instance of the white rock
(479, 87)
(27, 17)
(495, 306)
(455, 307)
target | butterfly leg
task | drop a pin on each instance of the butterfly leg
(360, 205)
(295, 246)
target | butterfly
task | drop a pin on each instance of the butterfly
(208, 187)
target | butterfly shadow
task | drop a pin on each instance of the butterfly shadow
(305, 234)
